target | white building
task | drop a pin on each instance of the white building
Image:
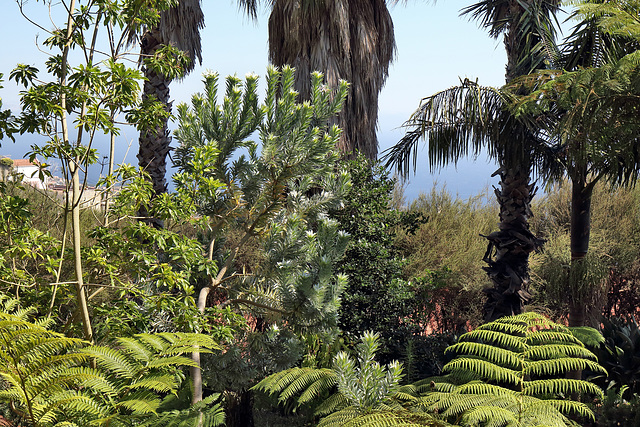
(24, 168)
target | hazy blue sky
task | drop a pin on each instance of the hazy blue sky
(435, 48)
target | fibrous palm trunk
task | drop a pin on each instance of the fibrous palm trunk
(508, 250)
(155, 143)
(348, 40)
(581, 193)
(512, 244)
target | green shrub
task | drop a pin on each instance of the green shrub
(444, 259)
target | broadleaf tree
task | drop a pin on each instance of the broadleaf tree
(82, 96)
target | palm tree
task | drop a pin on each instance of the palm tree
(178, 27)
(592, 115)
(348, 40)
(466, 118)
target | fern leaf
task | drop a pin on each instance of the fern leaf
(485, 370)
(571, 407)
(492, 353)
(137, 350)
(338, 419)
(159, 383)
(140, 404)
(317, 388)
(560, 366)
(333, 403)
(112, 360)
(561, 386)
(163, 362)
(552, 351)
(496, 338)
(483, 414)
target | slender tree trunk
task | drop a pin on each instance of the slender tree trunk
(196, 371)
(75, 180)
(580, 234)
(83, 307)
(508, 250)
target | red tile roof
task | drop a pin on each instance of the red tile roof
(17, 163)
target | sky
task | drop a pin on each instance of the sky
(436, 48)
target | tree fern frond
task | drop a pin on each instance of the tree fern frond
(590, 337)
(322, 385)
(551, 351)
(136, 348)
(481, 415)
(561, 386)
(294, 381)
(521, 362)
(338, 419)
(560, 366)
(552, 337)
(162, 362)
(182, 342)
(112, 360)
(140, 404)
(333, 403)
(484, 369)
(207, 413)
(478, 388)
(158, 383)
(497, 338)
(497, 355)
(389, 419)
(571, 407)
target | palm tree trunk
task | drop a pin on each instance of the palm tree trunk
(239, 408)
(580, 234)
(154, 143)
(508, 250)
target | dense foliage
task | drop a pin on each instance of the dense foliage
(264, 265)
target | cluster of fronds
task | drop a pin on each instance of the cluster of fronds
(513, 372)
(40, 368)
(47, 381)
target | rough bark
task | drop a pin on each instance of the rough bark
(154, 143)
(507, 254)
(239, 408)
(348, 40)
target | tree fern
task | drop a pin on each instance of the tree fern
(37, 366)
(512, 372)
(46, 384)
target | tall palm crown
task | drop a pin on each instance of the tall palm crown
(349, 40)
(469, 118)
(178, 27)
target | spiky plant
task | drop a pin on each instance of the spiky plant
(512, 372)
(360, 391)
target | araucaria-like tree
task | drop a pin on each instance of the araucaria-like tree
(348, 40)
